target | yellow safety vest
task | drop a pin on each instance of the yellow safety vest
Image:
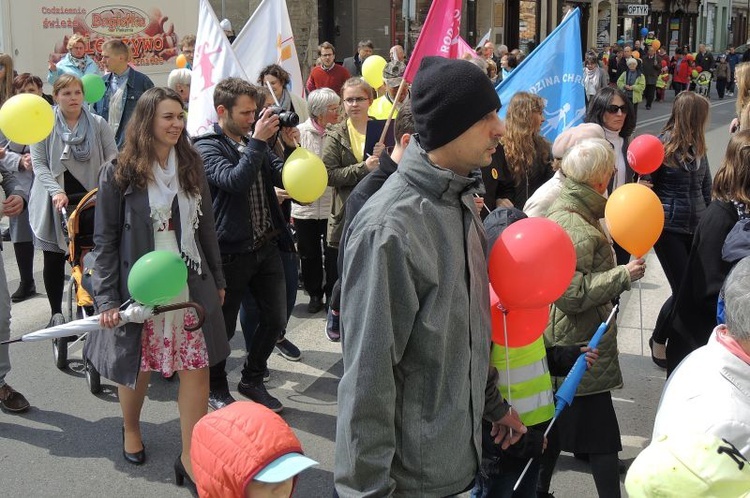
(530, 382)
(381, 108)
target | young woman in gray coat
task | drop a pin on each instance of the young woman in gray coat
(155, 196)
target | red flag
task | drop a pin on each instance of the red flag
(439, 35)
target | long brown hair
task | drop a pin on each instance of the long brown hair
(686, 129)
(742, 78)
(135, 161)
(6, 85)
(522, 141)
(732, 181)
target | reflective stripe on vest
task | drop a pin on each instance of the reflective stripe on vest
(530, 382)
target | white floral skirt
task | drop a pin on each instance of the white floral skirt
(166, 346)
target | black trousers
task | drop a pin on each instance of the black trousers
(673, 250)
(316, 256)
(721, 86)
(648, 94)
(261, 273)
(678, 87)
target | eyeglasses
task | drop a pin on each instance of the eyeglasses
(355, 100)
(612, 109)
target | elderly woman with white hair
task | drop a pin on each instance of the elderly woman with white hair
(311, 220)
(632, 82)
(179, 81)
(589, 426)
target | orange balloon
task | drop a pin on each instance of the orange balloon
(636, 54)
(656, 44)
(181, 61)
(635, 218)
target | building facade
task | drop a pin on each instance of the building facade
(515, 23)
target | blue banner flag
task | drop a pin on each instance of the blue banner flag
(554, 71)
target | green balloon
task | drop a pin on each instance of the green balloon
(157, 278)
(93, 88)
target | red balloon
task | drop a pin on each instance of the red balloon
(699, 69)
(524, 326)
(645, 154)
(690, 57)
(531, 264)
(663, 63)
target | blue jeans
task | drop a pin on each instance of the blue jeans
(249, 311)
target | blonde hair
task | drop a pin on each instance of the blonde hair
(75, 39)
(742, 78)
(522, 141)
(590, 161)
(745, 118)
(732, 181)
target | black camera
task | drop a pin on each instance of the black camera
(287, 119)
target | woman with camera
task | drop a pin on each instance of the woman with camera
(279, 80)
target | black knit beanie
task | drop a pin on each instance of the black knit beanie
(447, 97)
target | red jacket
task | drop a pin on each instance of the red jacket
(682, 71)
(230, 446)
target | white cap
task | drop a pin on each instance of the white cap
(226, 25)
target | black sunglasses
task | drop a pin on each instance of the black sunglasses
(612, 109)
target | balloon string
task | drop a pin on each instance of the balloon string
(640, 311)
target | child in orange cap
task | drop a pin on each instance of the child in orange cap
(246, 451)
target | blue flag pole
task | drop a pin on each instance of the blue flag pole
(567, 390)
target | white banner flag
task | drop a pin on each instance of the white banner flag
(267, 38)
(214, 61)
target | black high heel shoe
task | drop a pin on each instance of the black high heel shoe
(181, 477)
(137, 458)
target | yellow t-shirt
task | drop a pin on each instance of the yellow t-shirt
(357, 140)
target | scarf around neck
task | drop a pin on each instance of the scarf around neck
(286, 100)
(79, 63)
(78, 140)
(161, 194)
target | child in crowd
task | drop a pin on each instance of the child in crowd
(662, 83)
(245, 450)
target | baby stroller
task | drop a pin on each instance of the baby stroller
(79, 231)
(703, 83)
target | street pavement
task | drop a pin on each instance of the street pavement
(69, 443)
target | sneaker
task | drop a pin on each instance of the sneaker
(288, 350)
(332, 326)
(23, 292)
(12, 401)
(315, 305)
(259, 394)
(219, 399)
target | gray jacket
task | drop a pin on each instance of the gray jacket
(49, 169)
(123, 234)
(417, 337)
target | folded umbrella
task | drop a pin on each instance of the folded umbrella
(134, 313)
(567, 390)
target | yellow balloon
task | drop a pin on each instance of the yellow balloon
(181, 61)
(26, 119)
(635, 218)
(372, 70)
(304, 175)
(656, 44)
(636, 54)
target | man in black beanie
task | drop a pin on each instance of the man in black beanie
(417, 380)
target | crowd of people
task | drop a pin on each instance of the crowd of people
(400, 236)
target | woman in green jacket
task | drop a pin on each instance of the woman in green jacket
(632, 82)
(589, 426)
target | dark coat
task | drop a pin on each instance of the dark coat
(518, 193)
(693, 316)
(230, 176)
(353, 64)
(651, 68)
(123, 234)
(136, 85)
(684, 192)
(705, 61)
